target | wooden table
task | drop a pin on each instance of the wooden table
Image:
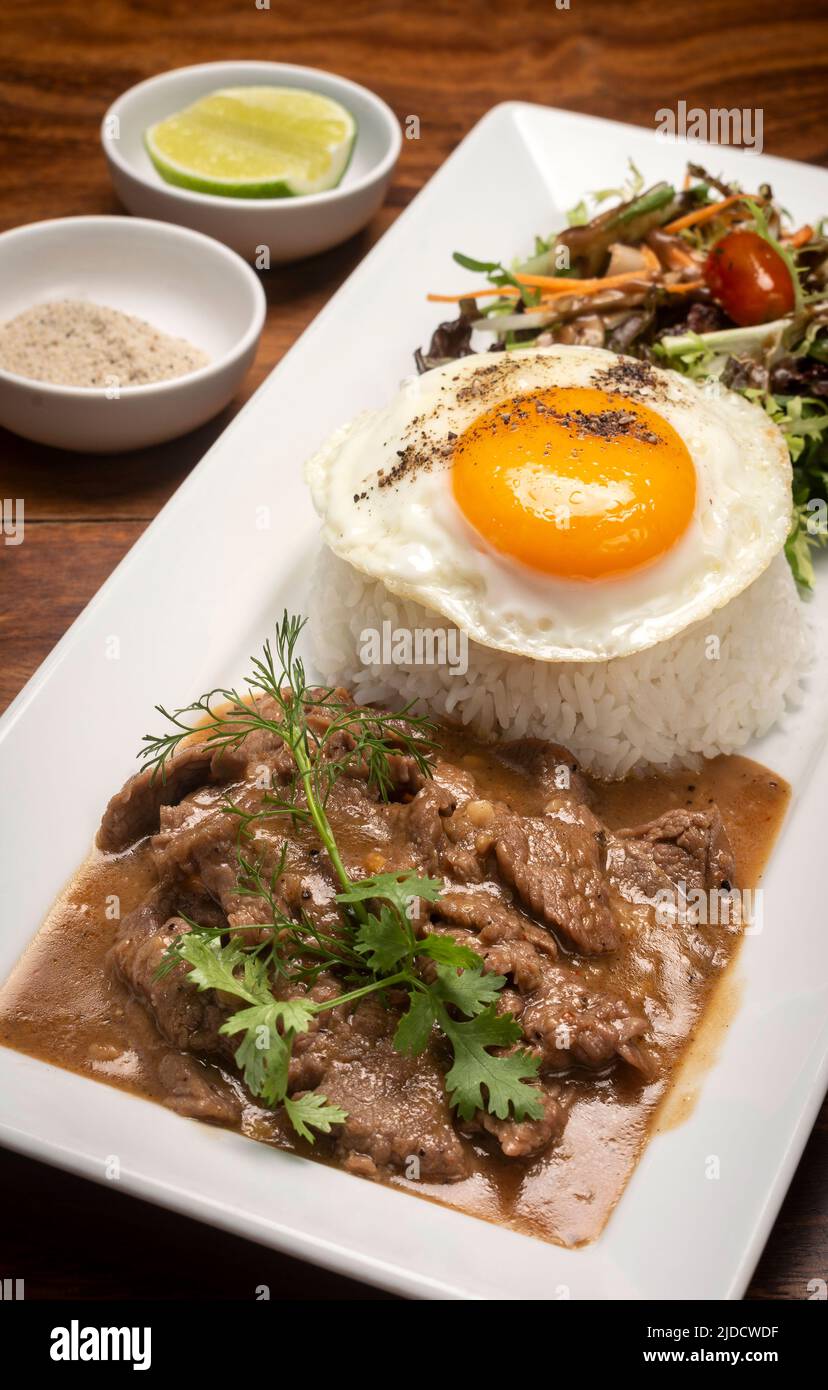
(446, 63)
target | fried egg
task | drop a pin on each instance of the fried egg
(563, 503)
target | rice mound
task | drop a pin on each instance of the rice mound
(661, 709)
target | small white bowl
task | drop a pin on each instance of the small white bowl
(181, 282)
(266, 230)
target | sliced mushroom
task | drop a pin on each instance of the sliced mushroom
(625, 259)
(587, 331)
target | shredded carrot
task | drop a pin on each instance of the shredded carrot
(650, 257)
(684, 287)
(551, 285)
(800, 238)
(704, 214)
(558, 284)
(504, 290)
(686, 183)
(683, 257)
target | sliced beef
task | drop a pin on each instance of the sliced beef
(531, 882)
(464, 855)
(323, 706)
(197, 1091)
(422, 824)
(403, 772)
(517, 959)
(551, 769)
(364, 824)
(402, 775)
(526, 1138)
(632, 870)
(134, 811)
(571, 1023)
(567, 1022)
(457, 781)
(688, 846)
(505, 940)
(491, 918)
(459, 858)
(554, 863)
(405, 775)
(187, 1018)
(198, 843)
(263, 758)
(183, 829)
(396, 1105)
(310, 892)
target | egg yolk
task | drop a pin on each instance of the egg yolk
(575, 482)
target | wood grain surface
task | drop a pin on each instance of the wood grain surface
(61, 64)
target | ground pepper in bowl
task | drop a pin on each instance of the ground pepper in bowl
(72, 342)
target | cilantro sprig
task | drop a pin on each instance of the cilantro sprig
(376, 948)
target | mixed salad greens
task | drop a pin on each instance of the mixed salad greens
(706, 279)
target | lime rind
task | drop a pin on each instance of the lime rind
(297, 142)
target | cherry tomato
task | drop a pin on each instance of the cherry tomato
(749, 278)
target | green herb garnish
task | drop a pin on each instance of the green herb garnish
(377, 948)
(498, 275)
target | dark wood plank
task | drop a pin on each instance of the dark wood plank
(46, 582)
(64, 61)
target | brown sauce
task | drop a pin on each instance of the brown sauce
(64, 1005)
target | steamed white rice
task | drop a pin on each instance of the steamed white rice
(709, 690)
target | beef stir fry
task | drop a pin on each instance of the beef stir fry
(402, 966)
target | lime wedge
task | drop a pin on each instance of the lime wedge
(255, 142)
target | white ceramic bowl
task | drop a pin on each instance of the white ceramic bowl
(281, 229)
(181, 282)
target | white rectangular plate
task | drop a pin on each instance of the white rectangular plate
(196, 596)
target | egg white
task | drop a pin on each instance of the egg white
(411, 534)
